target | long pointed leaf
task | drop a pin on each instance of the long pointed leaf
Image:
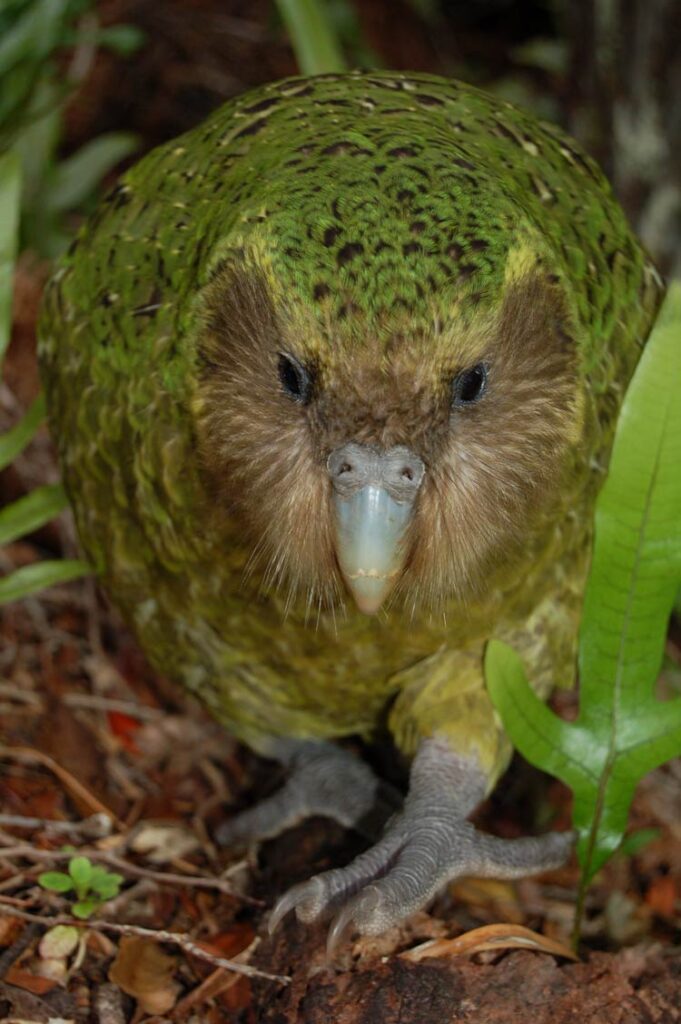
(542, 737)
(31, 512)
(10, 198)
(76, 177)
(13, 442)
(31, 578)
(314, 42)
(622, 731)
(34, 35)
(637, 554)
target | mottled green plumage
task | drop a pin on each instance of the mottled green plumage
(375, 206)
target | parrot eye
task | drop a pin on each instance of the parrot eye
(295, 380)
(469, 386)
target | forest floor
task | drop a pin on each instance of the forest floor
(99, 755)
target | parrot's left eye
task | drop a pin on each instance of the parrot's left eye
(294, 379)
(469, 386)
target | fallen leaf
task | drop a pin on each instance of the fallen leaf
(53, 969)
(218, 983)
(141, 969)
(491, 936)
(497, 898)
(9, 926)
(238, 995)
(60, 941)
(36, 984)
(22, 1007)
(163, 843)
(124, 728)
(79, 793)
(231, 942)
(661, 895)
(56, 947)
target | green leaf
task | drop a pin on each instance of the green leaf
(635, 574)
(80, 870)
(622, 731)
(313, 39)
(542, 52)
(29, 34)
(34, 35)
(105, 883)
(543, 738)
(637, 841)
(55, 881)
(10, 201)
(37, 145)
(31, 512)
(84, 908)
(31, 578)
(15, 440)
(79, 175)
(122, 39)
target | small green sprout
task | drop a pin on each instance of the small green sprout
(91, 884)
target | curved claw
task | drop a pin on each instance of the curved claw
(307, 899)
(364, 904)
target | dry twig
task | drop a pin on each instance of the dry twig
(94, 702)
(24, 850)
(94, 827)
(27, 755)
(185, 942)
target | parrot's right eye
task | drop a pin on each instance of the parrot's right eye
(294, 378)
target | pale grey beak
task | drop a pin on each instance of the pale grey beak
(373, 498)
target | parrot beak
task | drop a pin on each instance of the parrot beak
(373, 503)
(370, 528)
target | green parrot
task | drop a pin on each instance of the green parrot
(334, 379)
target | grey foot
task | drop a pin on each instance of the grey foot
(429, 844)
(324, 780)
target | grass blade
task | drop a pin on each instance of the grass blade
(31, 578)
(10, 201)
(76, 177)
(13, 442)
(314, 42)
(31, 512)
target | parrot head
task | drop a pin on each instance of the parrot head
(397, 441)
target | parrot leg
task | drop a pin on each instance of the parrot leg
(425, 846)
(324, 780)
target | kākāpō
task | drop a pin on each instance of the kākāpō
(334, 379)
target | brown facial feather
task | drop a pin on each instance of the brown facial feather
(255, 442)
(493, 470)
(500, 475)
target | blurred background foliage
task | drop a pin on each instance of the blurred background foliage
(47, 48)
(86, 86)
